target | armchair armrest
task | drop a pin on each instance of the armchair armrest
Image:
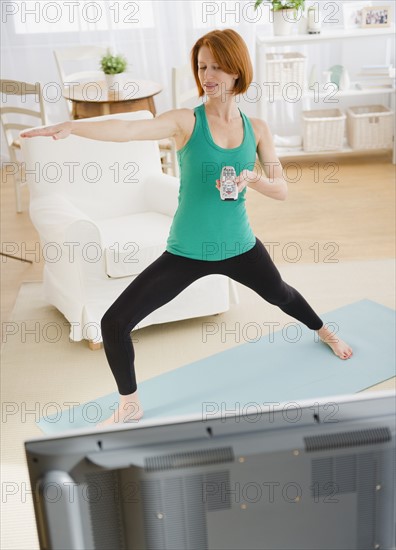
(161, 193)
(73, 235)
(53, 215)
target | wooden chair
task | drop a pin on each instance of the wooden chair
(77, 55)
(11, 121)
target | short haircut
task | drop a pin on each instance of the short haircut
(230, 52)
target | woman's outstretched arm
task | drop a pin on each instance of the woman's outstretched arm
(160, 127)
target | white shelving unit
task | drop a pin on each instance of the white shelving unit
(263, 43)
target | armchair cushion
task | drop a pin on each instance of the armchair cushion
(131, 243)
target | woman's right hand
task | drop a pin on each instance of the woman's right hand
(57, 131)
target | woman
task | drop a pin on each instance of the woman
(207, 235)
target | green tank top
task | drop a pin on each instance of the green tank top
(204, 226)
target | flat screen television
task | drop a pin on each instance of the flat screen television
(316, 474)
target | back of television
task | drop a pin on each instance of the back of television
(310, 479)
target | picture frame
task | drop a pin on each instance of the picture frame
(375, 17)
(352, 13)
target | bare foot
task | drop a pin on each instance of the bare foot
(340, 348)
(129, 410)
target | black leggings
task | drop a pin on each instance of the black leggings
(167, 276)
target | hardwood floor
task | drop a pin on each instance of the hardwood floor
(335, 211)
(350, 203)
(18, 238)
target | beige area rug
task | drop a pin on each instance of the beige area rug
(42, 370)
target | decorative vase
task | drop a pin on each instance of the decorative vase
(314, 23)
(114, 79)
(284, 21)
(302, 22)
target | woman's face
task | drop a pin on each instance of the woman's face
(214, 80)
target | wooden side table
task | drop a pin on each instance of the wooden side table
(90, 99)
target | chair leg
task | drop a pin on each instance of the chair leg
(18, 197)
(16, 258)
(94, 346)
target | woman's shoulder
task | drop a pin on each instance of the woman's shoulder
(260, 128)
(185, 119)
(180, 115)
(260, 124)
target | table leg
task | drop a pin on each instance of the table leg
(151, 105)
(105, 108)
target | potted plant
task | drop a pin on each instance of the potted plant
(285, 14)
(113, 65)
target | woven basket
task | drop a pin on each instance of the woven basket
(283, 68)
(323, 130)
(370, 127)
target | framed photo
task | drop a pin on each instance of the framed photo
(352, 13)
(376, 16)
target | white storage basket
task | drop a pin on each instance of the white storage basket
(370, 127)
(323, 130)
(283, 68)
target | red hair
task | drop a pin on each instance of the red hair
(230, 52)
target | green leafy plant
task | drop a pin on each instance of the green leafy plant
(113, 64)
(278, 5)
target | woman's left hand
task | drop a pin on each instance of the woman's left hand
(243, 180)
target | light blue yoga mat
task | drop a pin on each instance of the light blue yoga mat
(284, 366)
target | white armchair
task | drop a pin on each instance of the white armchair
(103, 211)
